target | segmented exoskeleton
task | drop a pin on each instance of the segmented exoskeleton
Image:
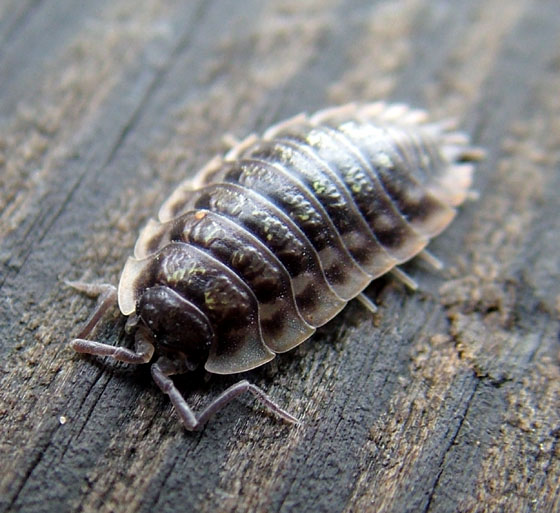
(272, 240)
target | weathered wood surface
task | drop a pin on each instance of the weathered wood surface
(448, 401)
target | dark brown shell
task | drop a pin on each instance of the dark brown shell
(272, 240)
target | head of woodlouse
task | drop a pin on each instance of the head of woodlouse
(176, 324)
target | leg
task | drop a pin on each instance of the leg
(431, 259)
(142, 353)
(404, 278)
(367, 303)
(347, 111)
(238, 147)
(425, 255)
(274, 130)
(107, 298)
(164, 368)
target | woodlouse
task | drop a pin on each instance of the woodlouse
(272, 240)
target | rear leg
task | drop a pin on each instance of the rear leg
(400, 275)
(164, 367)
(410, 282)
(431, 259)
(367, 303)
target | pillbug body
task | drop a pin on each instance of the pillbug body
(272, 240)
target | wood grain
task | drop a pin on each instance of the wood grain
(447, 401)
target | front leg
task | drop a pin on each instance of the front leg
(107, 294)
(165, 367)
(142, 353)
(144, 349)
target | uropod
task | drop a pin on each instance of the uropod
(271, 240)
